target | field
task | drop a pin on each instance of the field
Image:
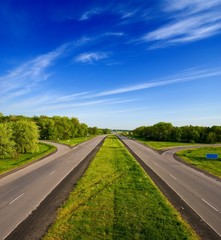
(197, 157)
(163, 145)
(8, 164)
(75, 141)
(115, 199)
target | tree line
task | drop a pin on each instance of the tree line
(164, 131)
(20, 134)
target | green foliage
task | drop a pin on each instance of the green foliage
(6, 141)
(20, 134)
(197, 157)
(93, 131)
(9, 163)
(25, 135)
(63, 128)
(163, 131)
(115, 199)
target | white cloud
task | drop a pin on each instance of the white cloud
(189, 21)
(27, 76)
(183, 77)
(71, 97)
(89, 14)
(195, 27)
(59, 106)
(190, 6)
(128, 14)
(91, 57)
(117, 34)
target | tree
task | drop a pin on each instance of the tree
(162, 131)
(93, 131)
(46, 127)
(25, 135)
(75, 126)
(83, 130)
(211, 137)
(6, 141)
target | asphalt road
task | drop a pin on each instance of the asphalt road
(201, 192)
(22, 191)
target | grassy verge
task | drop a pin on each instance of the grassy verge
(163, 145)
(115, 199)
(8, 164)
(75, 141)
(197, 157)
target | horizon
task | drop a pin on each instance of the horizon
(116, 66)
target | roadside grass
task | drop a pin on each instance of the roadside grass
(197, 157)
(75, 141)
(163, 145)
(8, 164)
(115, 199)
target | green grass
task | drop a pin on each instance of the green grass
(197, 157)
(163, 145)
(115, 199)
(8, 164)
(75, 141)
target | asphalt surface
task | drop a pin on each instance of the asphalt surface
(21, 192)
(201, 192)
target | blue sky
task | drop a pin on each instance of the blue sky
(115, 64)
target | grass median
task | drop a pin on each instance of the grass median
(197, 157)
(8, 164)
(115, 199)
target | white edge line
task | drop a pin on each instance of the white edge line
(51, 173)
(210, 205)
(16, 198)
(172, 176)
(155, 164)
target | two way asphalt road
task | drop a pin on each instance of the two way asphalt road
(200, 192)
(22, 191)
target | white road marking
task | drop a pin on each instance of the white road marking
(155, 164)
(16, 198)
(210, 205)
(172, 176)
(52, 173)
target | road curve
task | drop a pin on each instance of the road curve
(201, 192)
(22, 191)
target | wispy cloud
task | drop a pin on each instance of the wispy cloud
(183, 77)
(71, 97)
(190, 6)
(128, 14)
(89, 14)
(117, 34)
(27, 76)
(189, 21)
(91, 57)
(50, 102)
(59, 106)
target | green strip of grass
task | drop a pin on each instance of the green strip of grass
(197, 157)
(163, 145)
(75, 141)
(8, 164)
(115, 199)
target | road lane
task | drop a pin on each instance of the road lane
(22, 191)
(201, 192)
